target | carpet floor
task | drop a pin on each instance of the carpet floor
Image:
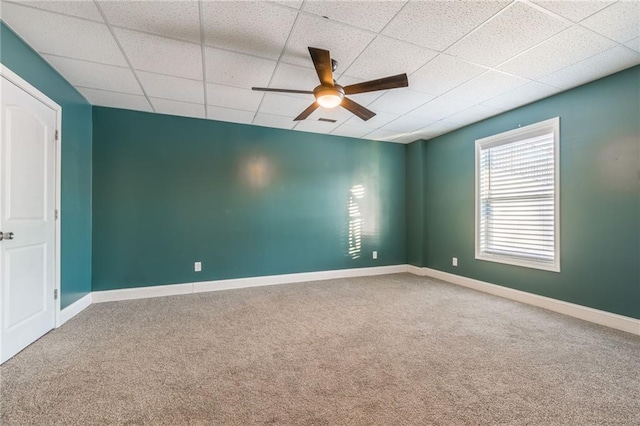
(389, 350)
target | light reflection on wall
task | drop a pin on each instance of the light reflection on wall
(257, 172)
(355, 221)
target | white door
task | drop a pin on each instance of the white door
(27, 207)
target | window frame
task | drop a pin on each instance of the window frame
(526, 132)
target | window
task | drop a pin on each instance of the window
(517, 196)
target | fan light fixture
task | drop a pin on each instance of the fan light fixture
(329, 97)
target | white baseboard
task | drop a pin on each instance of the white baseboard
(198, 287)
(415, 270)
(74, 309)
(608, 319)
(141, 292)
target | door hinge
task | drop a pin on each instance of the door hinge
(56, 214)
(57, 135)
(55, 294)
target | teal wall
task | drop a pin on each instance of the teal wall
(415, 185)
(244, 200)
(76, 161)
(599, 197)
(249, 201)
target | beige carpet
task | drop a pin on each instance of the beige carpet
(391, 350)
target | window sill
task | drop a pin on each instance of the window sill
(553, 267)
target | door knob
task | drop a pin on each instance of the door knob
(6, 236)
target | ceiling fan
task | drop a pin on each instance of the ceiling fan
(330, 94)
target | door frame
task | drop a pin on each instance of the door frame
(33, 91)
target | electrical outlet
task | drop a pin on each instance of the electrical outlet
(197, 266)
(454, 261)
(375, 254)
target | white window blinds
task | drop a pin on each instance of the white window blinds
(516, 199)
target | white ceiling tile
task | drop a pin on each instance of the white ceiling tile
(634, 44)
(184, 109)
(384, 135)
(575, 10)
(438, 128)
(406, 124)
(620, 21)
(173, 88)
(370, 15)
(407, 138)
(378, 120)
(428, 134)
(438, 24)
(289, 3)
(344, 43)
(503, 36)
(404, 138)
(161, 55)
(295, 77)
(598, 66)
(442, 74)
(173, 19)
(522, 95)
(439, 108)
(566, 48)
(96, 76)
(237, 69)
(115, 100)
(385, 57)
(79, 9)
(229, 115)
(252, 27)
(270, 120)
(288, 106)
(62, 35)
(400, 101)
(244, 39)
(315, 126)
(485, 86)
(351, 131)
(473, 114)
(233, 97)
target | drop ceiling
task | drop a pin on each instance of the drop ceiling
(466, 60)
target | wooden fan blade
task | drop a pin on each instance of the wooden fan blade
(392, 82)
(322, 61)
(357, 109)
(268, 89)
(307, 112)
